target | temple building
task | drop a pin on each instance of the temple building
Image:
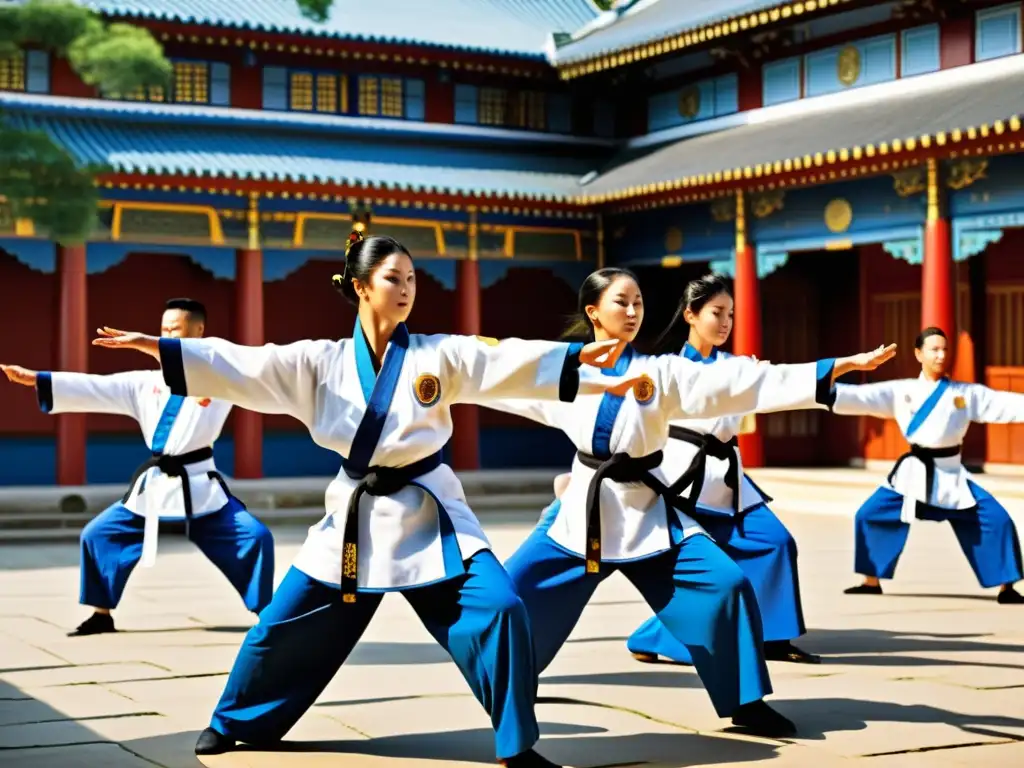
(851, 164)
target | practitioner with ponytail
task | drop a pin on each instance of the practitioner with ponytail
(621, 512)
(726, 503)
(396, 517)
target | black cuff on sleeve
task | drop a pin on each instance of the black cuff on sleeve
(569, 382)
(173, 366)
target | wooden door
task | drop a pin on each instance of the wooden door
(790, 333)
(1005, 369)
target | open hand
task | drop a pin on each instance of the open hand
(19, 375)
(115, 339)
(868, 361)
(602, 354)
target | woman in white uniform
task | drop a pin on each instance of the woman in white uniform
(397, 518)
(930, 482)
(727, 503)
(635, 522)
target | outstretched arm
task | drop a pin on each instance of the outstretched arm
(61, 392)
(267, 379)
(876, 399)
(480, 370)
(740, 385)
(992, 406)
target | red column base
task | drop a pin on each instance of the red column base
(752, 450)
(72, 435)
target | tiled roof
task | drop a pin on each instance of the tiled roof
(899, 115)
(512, 27)
(216, 152)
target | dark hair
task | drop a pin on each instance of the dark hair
(196, 310)
(931, 330)
(580, 328)
(361, 259)
(695, 296)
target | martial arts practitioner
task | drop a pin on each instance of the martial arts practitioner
(930, 482)
(178, 486)
(727, 503)
(397, 518)
(634, 522)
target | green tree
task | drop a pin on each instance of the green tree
(40, 180)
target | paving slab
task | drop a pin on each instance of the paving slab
(929, 675)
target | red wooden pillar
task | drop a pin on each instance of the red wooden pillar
(72, 355)
(938, 278)
(466, 418)
(747, 330)
(248, 425)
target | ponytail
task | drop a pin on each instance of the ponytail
(697, 293)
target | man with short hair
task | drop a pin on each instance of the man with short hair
(179, 484)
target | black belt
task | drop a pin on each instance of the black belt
(177, 466)
(709, 445)
(376, 481)
(927, 456)
(623, 468)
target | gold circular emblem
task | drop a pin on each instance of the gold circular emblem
(673, 240)
(427, 388)
(644, 390)
(838, 215)
(689, 103)
(848, 65)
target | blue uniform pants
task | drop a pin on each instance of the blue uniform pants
(306, 633)
(987, 537)
(700, 595)
(765, 550)
(236, 542)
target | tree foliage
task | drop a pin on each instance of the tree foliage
(315, 10)
(41, 180)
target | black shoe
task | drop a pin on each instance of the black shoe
(758, 719)
(528, 759)
(864, 589)
(213, 742)
(784, 650)
(97, 624)
(646, 658)
(1010, 597)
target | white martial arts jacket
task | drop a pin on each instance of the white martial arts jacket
(934, 416)
(171, 425)
(716, 496)
(401, 417)
(634, 520)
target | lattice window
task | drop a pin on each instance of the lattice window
(493, 106)
(529, 110)
(391, 104)
(301, 92)
(369, 96)
(191, 82)
(326, 93)
(12, 72)
(153, 93)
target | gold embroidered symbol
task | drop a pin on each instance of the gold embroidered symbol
(427, 388)
(959, 402)
(644, 390)
(349, 561)
(488, 340)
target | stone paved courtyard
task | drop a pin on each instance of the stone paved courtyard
(931, 674)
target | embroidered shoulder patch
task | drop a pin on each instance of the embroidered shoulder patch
(959, 402)
(644, 390)
(427, 388)
(488, 340)
(205, 402)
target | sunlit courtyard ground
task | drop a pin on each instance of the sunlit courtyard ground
(931, 674)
